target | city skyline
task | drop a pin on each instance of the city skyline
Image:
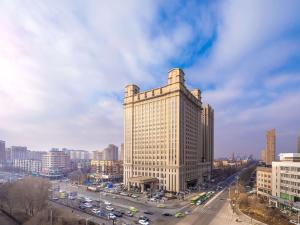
(63, 72)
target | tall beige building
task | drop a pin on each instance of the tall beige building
(163, 129)
(271, 146)
(208, 133)
(263, 155)
(298, 144)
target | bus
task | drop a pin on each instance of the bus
(201, 197)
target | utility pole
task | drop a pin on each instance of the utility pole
(51, 221)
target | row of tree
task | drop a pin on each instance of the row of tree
(29, 195)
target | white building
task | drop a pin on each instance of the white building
(28, 165)
(55, 163)
(286, 180)
(79, 155)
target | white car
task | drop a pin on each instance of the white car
(111, 216)
(109, 208)
(153, 199)
(95, 211)
(143, 222)
(88, 205)
(88, 200)
(107, 203)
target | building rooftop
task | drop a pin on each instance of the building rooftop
(292, 157)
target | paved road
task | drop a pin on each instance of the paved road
(217, 211)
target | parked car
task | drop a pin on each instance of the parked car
(117, 214)
(82, 206)
(144, 218)
(130, 214)
(167, 214)
(111, 216)
(107, 203)
(143, 222)
(148, 212)
(88, 205)
(96, 211)
(109, 208)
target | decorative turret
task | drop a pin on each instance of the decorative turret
(175, 75)
(131, 90)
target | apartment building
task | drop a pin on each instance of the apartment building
(264, 182)
(18, 152)
(28, 165)
(107, 169)
(2, 152)
(163, 136)
(55, 163)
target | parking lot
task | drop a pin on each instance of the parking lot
(122, 207)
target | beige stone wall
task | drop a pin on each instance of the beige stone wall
(264, 181)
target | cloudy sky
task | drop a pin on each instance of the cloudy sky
(64, 65)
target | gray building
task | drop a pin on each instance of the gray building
(2, 152)
(110, 152)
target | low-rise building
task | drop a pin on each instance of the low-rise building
(55, 163)
(107, 169)
(28, 165)
(264, 182)
(286, 180)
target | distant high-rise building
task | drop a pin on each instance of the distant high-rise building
(8, 154)
(122, 152)
(110, 152)
(79, 155)
(271, 146)
(163, 145)
(19, 152)
(298, 145)
(35, 155)
(208, 133)
(2, 152)
(263, 155)
(98, 155)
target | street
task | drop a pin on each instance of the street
(217, 211)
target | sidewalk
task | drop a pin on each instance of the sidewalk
(248, 219)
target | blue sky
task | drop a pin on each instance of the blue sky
(64, 66)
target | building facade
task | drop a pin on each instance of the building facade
(163, 136)
(264, 182)
(79, 155)
(36, 155)
(110, 152)
(55, 163)
(2, 152)
(208, 135)
(107, 167)
(28, 165)
(18, 152)
(98, 155)
(122, 152)
(271, 146)
(286, 179)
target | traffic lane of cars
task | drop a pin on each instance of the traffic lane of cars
(106, 210)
